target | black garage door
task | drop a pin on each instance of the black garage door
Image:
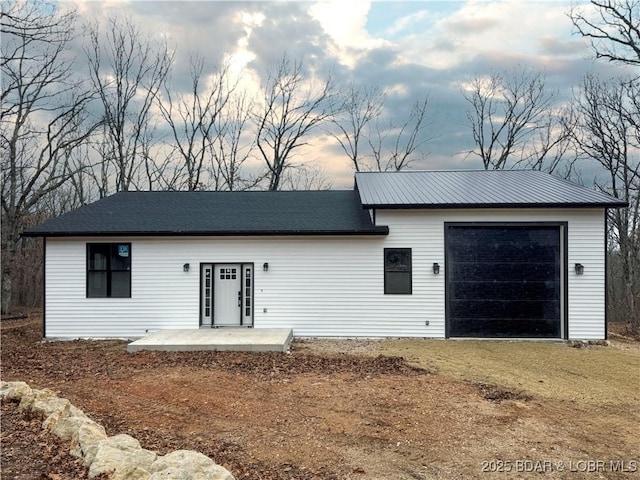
(503, 281)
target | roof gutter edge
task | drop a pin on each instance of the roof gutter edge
(377, 230)
(449, 206)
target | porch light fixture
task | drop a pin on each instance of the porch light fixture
(185, 267)
(265, 266)
(436, 268)
(579, 269)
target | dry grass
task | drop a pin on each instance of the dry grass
(595, 375)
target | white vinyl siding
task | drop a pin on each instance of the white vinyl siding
(586, 302)
(587, 291)
(319, 286)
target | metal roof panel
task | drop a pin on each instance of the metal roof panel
(475, 188)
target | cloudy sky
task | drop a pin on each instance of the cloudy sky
(407, 48)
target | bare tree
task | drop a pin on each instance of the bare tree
(393, 148)
(614, 30)
(306, 177)
(632, 113)
(232, 146)
(126, 71)
(507, 115)
(370, 143)
(192, 119)
(359, 106)
(552, 148)
(608, 137)
(42, 120)
(292, 107)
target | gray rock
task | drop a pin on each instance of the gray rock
(84, 443)
(55, 417)
(27, 401)
(43, 403)
(117, 453)
(14, 390)
(65, 422)
(131, 473)
(187, 465)
(67, 427)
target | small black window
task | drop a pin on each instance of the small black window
(397, 271)
(108, 270)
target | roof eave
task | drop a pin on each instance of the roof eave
(436, 206)
(377, 230)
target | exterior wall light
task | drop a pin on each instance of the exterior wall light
(579, 269)
(436, 268)
(265, 266)
(185, 267)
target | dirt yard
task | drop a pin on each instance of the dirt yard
(351, 409)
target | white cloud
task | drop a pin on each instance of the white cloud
(507, 27)
(241, 56)
(345, 22)
(407, 22)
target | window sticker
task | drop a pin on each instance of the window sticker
(123, 250)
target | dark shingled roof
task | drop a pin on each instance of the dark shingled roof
(475, 189)
(336, 212)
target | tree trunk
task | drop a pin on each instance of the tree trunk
(6, 292)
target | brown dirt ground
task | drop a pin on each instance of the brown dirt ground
(340, 409)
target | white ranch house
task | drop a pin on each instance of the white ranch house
(482, 254)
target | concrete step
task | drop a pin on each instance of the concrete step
(219, 339)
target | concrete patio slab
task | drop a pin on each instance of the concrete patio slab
(218, 339)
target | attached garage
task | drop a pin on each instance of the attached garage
(505, 281)
(498, 254)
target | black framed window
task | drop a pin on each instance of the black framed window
(397, 271)
(108, 270)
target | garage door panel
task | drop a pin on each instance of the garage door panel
(525, 309)
(500, 290)
(509, 272)
(491, 253)
(505, 328)
(503, 281)
(522, 236)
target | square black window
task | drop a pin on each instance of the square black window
(108, 270)
(397, 271)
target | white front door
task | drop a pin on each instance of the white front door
(227, 295)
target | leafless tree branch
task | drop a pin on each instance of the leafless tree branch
(614, 31)
(126, 71)
(292, 107)
(507, 114)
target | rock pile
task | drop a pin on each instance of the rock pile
(120, 456)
